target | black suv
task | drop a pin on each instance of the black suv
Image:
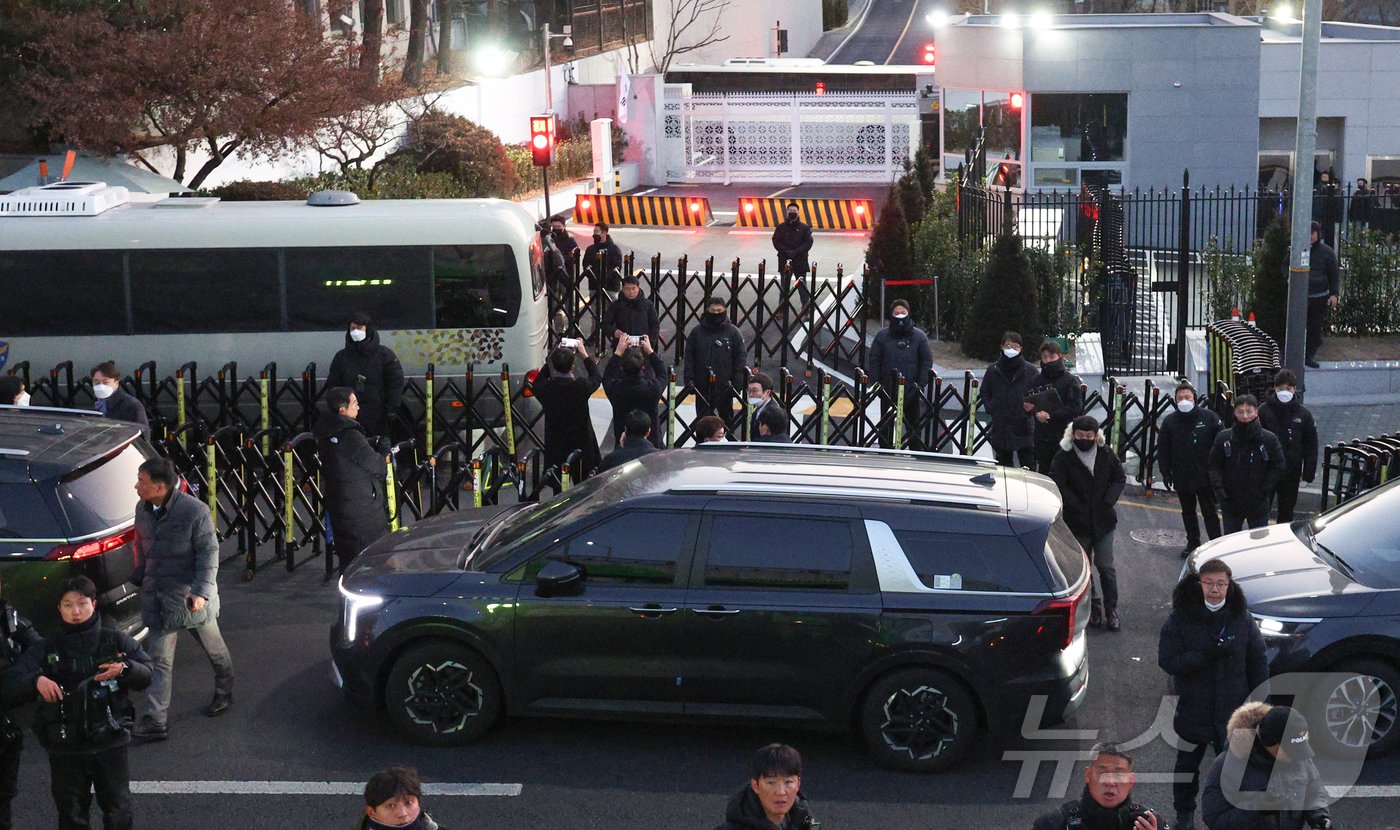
(68, 508)
(919, 597)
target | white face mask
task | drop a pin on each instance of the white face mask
(357, 335)
(1284, 396)
(1186, 405)
(900, 316)
(755, 402)
(22, 399)
(1216, 606)
(102, 391)
(1010, 352)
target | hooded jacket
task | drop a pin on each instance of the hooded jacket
(1292, 424)
(354, 478)
(907, 353)
(1184, 442)
(745, 812)
(1245, 466)
(715, 348)
(1215, 659)
(1067, 385)
(1089, 498)
(637, 316)
(640, 391)
(792, 240)
(177, 554)
(1004, 388)
(1095, 816)
(374, 372)
(567, 423)
(1260, 792)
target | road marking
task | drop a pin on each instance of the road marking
(860, 21)
(1129, 503)
(914, 10)
(645, 192)
(1388, 791)
(307, 788)
(775, 194)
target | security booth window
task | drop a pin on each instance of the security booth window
(190, 291)
(475, 286)
(392, 284)
(54, 292)
(962, 119)
(1074, 127)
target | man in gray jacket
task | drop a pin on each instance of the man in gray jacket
(177, 557)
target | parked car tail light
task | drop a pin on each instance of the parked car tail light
(93, 547)
(1066, 608)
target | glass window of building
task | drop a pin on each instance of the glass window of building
(962, 119)
(1079, 127)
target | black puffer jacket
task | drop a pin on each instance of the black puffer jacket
(1215, 659)
(602, 263)
(641, 391)
(637, 316)
(1292, 424)
(792, 240)
(374, 372)
(354, 477)
(1260, 792)
(1246, 463)
(715, 348)
(745, 812)
(1324, 278)
(907, 353)
(567, 423)
(1094, 816)
(1183, 448)
(1088, 499)
(1054, 375)
(1004, 388)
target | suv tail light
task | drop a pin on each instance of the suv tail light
(1066, 608)
(93, 547)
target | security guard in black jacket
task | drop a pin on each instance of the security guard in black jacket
(16, 635)
(1050, 423)
(1183, 456)
(1292, 424)
(1107, 802)
(1246, 464)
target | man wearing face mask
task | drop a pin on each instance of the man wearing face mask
(1292, 424)
(603, 262)
(901, 349)
(1211, 648)
(1068, 402)
(566, 246)
(632, 314)
(1004, 388)
(372, 370)
(793, 240)
(1184, 443)
(12, 392)
(1246, 464)
(1091, 479)
(113, 401)
(634, 380)
(760, 397)
(715, 346)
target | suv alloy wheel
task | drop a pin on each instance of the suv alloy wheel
(443, 694)
(918, 720)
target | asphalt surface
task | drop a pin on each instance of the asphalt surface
(894, 32)
(726, 242)
(291, 726)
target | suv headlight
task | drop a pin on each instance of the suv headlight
(352, 606)
(1282, 628)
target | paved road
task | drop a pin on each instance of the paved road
(894, 32)
(725, 243)
(291, 726)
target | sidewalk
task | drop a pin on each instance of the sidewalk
(561, 198)
(830, 41)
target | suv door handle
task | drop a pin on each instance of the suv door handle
(652, 610)
(716, 612)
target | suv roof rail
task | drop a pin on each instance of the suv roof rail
(815, 491)
(966, 460)
(60, 409)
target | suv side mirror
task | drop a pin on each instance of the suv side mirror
(558, 578)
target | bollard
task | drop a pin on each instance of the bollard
(510, 420)
(180, 398)
(476, 482)
(968, 433)
(899, 413)
(824, 426)
(1120, 404)
(212, 484)
(566, 478)
(390, 495)
(671, 409)
(428, 413)
(289, 494)
(264, 399)
(745, 413)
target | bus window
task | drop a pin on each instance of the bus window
(205, 290)
(392, 285)
(537, 267)
(61, 292)
(476, 286)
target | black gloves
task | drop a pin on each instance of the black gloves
(1318, 819)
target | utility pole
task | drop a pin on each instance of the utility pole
(1295, 344)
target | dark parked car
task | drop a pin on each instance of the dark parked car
(67, 508)
(920, 598)
(1326, 593)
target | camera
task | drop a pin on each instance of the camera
(570, 342)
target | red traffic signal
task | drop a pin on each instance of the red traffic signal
(821, 87)
(1017, 100)
(930, 54)
(542, 140)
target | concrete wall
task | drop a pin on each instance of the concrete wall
(746, 25)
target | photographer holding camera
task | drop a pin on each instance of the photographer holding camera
(1107, 803)
(563, 393)
(82, 676)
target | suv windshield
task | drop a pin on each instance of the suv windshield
(522, 526)
(1364, 535)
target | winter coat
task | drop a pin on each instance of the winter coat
(1292, 424)
(121, 406)
(423, 822)
(1088, 499)
(1004, 388)
(1245, 467)
(641, 391)
(1067, 385)
(568, 426)
(354, 478)
(177, 556)
(745, 812)
(1095, 816)
(17, 635)
(720, 350)
(1215, 659)
(374, 372)
(88, 718)
(1238, 793)
(609, 274)
(793, 240)
(1324, 278)
(630, 450)
(633, 317)
(908, 354)
(1184, 442)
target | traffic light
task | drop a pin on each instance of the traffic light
(930, 54)
(1017, 100)
(542, 140)
(821, 87)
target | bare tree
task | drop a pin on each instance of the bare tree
(417, 41)
(372, 52)
(677, 38)
(444, 45)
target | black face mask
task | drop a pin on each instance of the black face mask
(792, 217)
(559, 234)
(1052, 367)
(1084, 444)
(901, 325)
(597, 238)
(714, 319)
(1250, 428)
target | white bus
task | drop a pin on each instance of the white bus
(87, 276)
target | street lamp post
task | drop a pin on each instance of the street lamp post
(545, 38)
(1295, 340)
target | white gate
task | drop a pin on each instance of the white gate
(789, 138)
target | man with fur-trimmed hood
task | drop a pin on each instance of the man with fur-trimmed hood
(1272, 785)
(1091, 479)
(1213, 651)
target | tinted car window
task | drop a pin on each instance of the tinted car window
(1363, 532)
(1067, 561)
(23, 514)
(101, 497)
(778, 552)
(956, 561)
(40, 287)
(206, 290)
(633, 547)
(535, 521)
